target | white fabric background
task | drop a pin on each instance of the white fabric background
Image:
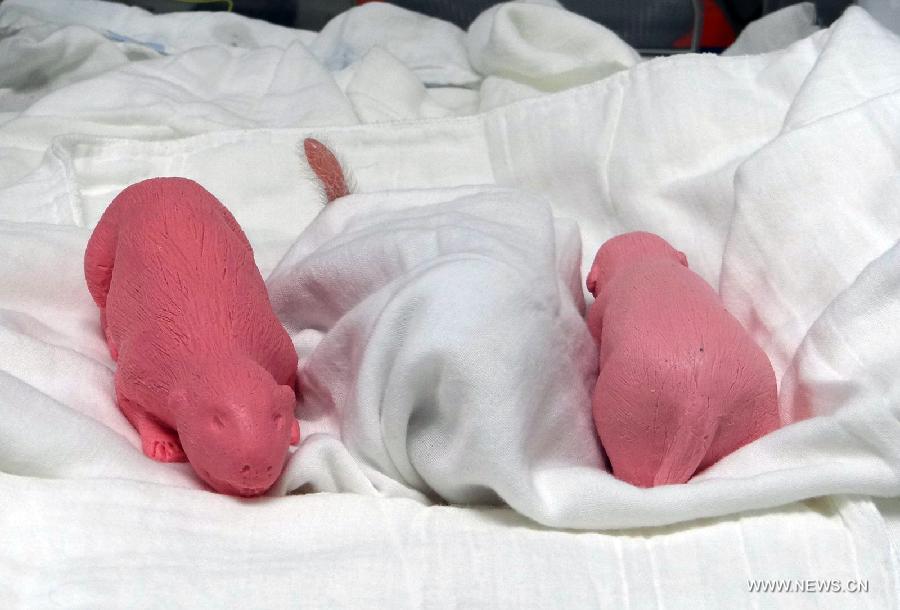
(775, 173)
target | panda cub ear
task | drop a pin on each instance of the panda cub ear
(284, 398)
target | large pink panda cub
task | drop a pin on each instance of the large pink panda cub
(681, 383)
(205, 370)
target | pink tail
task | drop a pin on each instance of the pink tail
(326, 167)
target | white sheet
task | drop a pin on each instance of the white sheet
(443, 342)
(179, 548)
(70, 141)
(776, 30)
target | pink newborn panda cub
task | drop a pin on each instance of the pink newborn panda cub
(206, 372)
(681, 383)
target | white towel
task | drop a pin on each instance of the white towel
(442, 340)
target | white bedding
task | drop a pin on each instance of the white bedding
(751, 164)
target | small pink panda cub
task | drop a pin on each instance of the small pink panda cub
(681, 383)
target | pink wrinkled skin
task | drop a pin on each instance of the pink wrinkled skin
(681, 383)
(205, 370)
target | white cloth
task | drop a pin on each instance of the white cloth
(887, 12)
(347, 38)
(544, 47)
(167, 33)
(178, 548)
(770, 171)
(443, 341)
(776, 30)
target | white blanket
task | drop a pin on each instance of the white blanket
(773, 172)
(443, 342)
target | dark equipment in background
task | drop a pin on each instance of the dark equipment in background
(654, 27)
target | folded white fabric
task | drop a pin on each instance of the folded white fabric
(545, 47)
(452, 356)
(441, 60)
(776, 30)
(168, 33)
